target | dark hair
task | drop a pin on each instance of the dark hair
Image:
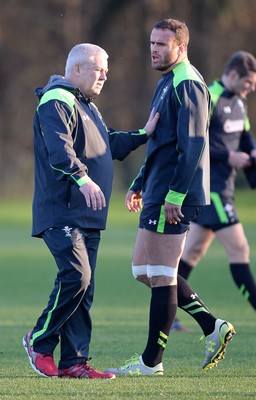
(242, 62)
(179, 28)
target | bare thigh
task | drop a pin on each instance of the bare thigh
(235, 243)
(197, 244)
(152, 248)
(159, 256)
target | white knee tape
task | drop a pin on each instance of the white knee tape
(157, 270)
(138, 270)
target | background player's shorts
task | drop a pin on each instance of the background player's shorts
(219, 214)
(152, 218)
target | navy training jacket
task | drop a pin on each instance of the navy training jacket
(176, 167)
(72, 142)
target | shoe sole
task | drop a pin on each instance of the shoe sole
(25, 344)
(86, 377)
(221, 352)
(135, 374)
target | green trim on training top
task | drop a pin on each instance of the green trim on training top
(140, 173)
(69, 98)
(62, 95)
(136, 133)
(184, 72)
(216, 200)
(247, 125)
(48, 319)
(216, 90)
(79, 182)
(58, 94)
(175, 197)
(83, 180)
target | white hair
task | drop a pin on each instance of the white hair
(84, 53)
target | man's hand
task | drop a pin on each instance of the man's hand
(172, 213)
(151, 123)
(94, 197)
(133, 201)
(253, 157)
(239, 159)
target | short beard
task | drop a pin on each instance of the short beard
(165, 67)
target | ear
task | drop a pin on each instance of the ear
(233, 74)
(77, 69)
(181, 48)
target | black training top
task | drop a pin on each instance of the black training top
(72, 143)
(176, 168)
(229, 130)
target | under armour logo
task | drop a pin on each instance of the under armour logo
(68, 231)
(210, 346)
(193, 296)
(85, 117)
(152, 221)
(136, 372)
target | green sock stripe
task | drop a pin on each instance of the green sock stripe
(194, 303)
(244, 292)
(195, 310)
(161, 343)
(163, 335)
(162, 340)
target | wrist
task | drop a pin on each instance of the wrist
(83, 180)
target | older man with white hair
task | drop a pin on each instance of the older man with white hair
(73, 151)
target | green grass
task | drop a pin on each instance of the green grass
(120, 317)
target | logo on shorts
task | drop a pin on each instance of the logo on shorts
(68, 231)
(152, 221)
(230, 212)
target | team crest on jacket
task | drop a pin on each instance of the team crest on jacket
(164, 92)
(68, 231)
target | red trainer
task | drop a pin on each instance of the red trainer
(43, 364)
(84, 371)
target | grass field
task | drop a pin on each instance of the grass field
(120, 317)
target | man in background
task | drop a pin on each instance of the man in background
(232, 148)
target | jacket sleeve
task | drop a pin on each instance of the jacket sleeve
(57, 125)
(247, 144)
(136, 185)
(192, 104)
(218, 149)
(122, 143)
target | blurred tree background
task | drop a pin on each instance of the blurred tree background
(36, 36)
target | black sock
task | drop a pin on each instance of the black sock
(184, 269)
(244, 280)
(189, 301)
(163, 308)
